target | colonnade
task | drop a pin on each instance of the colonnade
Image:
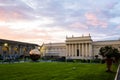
(12, 49)
(79, 50)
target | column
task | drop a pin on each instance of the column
(90, 49)
(82, 49)
(21, 50)
(79, 51)
(66, 50)
(75, 50)
(10, 50)
(72, 50)
(86, 50)
(69, 50)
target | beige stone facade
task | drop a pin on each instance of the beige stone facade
(53, 49)
(98, 44)
(78, 47)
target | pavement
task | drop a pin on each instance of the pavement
(118, 78)
(118, 74)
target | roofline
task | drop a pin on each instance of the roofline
(19, 42)
(107, 41)
(56, 43)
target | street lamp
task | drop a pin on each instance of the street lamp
(39, 48)
(6, 44)
(5, 50)
(5, 47)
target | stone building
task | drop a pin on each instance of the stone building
(10, 48)
(54, 49)
(78, 47)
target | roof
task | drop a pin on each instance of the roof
(107, 41)
(16, 42)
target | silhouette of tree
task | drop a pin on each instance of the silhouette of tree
(109, 53)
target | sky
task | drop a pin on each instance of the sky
(45, 21)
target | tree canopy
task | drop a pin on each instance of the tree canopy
(109, 52)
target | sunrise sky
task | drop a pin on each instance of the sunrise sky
(38, 21)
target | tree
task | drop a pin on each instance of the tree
(109, 53)
(96, 56)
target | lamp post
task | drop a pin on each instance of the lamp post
(5, 49)
(6, 44)
(39, 48)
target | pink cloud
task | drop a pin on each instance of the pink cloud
(32, 35)
(79, 25)
(5, 31)
(118, 27)
(90, 16)
(47, 31)
(6, 15)
(3, 16)
(22, 35)
(103, 24)
(93, 20)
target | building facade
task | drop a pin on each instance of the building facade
(10, 48)
(54, 49)
(78, 47)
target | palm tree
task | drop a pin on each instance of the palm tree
(109, 53)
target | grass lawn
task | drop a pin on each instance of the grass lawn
(55, 71)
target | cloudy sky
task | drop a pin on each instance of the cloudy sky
(38, 21)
